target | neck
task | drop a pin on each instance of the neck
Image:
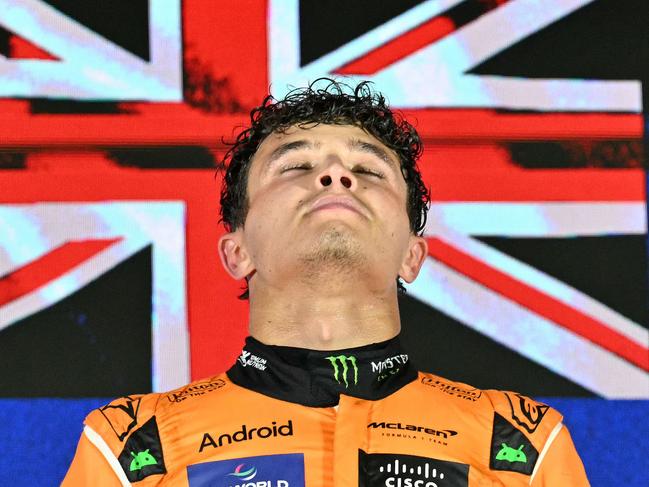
(323, 321)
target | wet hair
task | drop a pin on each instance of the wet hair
(325, 101)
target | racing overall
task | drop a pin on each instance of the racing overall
(289, 417)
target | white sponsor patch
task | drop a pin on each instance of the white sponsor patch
(246, 359)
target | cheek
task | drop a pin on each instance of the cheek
(394, 208)
(260, 224)
(267, 218)
(393, 231)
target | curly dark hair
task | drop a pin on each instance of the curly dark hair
(333, 103)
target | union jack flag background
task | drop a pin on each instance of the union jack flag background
(113, 119)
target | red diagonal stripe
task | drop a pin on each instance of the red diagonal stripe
(20, 48)
(48, 267)
(424, 34)
(398, 48)
(542, 304)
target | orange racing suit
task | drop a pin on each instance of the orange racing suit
(288, 417)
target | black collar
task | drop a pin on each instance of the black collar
(317, 378)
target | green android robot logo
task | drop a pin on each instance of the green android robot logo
(141, 460)
(511, 455)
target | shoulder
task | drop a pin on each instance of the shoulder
(196, 392)
(452, 390)
(125, 414)
(132, 431)
(526, 413)
(522, 429)
(508, 420)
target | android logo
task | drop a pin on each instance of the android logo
(509, 454)
(141, 460)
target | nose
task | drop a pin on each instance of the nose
(334, 174)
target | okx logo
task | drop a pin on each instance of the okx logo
(344, 368)
(285, 470)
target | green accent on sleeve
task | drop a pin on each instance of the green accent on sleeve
(141, 460)
(511, 455)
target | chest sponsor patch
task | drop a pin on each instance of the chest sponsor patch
(468, 394)
(412, 432)
(285, 470)
(393, 470)
(510, 448)
(248, 359)
(194, 390)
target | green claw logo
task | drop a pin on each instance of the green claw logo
(141, 460)
(511, 455)
(343, 359)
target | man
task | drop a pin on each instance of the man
(324, 207)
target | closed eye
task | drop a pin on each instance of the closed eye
(371, 172)
(303, 166)
(358, 169)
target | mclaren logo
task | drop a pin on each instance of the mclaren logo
(414, 428)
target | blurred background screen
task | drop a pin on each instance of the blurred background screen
(114, 117)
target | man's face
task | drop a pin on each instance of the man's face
(325, 201)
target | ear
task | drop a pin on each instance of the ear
(411, 265)
(234, 257)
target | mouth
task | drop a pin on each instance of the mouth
(335, 206)
(339, 203)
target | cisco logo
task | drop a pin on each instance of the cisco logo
(400, 476)
(392, 470)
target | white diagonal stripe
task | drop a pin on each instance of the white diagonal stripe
(548, 443)
(378, 36)
(539, 219)
(68, 283)
(28, 231)
(501, 28)
(101, 445)
(536, 338)
(435, 74)
(549, 285)
(90, 66)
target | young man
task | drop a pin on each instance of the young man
(325, 207)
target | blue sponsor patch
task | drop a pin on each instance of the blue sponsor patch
(264, 471)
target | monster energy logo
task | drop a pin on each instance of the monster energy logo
(343, 360)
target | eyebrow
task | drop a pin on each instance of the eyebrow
(359, 145)
(283, 149)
